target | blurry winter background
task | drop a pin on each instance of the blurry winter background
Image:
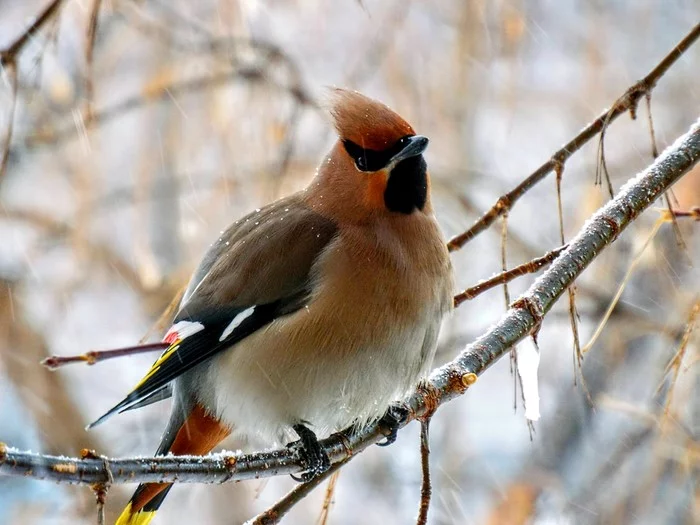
(195, 112)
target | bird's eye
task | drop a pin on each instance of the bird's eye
(360, 155)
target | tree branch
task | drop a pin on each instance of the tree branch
(447, 382)
(507, 276)
(627, 102)
(9, 54)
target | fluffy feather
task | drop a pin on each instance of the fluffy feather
(365, 121)
(364, 340)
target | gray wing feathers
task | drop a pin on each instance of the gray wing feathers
(264, 256)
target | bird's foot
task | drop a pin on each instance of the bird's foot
(312, 454)
(391, 421)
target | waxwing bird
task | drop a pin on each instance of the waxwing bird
(312, 313)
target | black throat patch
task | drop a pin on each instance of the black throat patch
(407, 188)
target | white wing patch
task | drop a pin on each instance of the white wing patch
(242, 316)
(181, 330)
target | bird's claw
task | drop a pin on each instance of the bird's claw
(314, 458)
(391, 421)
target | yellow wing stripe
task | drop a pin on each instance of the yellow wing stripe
(177, 333)
(162, 359)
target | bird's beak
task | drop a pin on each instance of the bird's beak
(416, 145)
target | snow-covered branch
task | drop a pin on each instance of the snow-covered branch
(449, 381)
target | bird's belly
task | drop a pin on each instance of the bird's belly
(298, 370)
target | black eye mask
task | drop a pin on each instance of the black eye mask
(373, 160)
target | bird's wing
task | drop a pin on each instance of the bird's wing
(157, 396)
(260, 269)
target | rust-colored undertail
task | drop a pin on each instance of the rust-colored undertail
(198, 435)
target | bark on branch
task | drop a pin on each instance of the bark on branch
(451, 380)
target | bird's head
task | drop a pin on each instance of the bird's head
(377, 164)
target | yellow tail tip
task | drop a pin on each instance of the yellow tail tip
(137, 518)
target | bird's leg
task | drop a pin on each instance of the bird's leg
(391, 421)
(312, 454)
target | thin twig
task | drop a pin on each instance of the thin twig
(11, 72)
(623, 104)
(675, 362)
(9, 54)
(275, 513)
(100, 490)
(504, 277)
(602, 164)
(668, 421)
(445, 383)
(667, 198)
(692, 213)
(652, 134)
(621, 288)
(328, 499)
(680, 242)
(506, 296)
(95, 356)
(571, 291)
(596, 294)
(504, 258)
(89, 52)
(425, 488)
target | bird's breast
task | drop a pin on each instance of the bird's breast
(363, 340)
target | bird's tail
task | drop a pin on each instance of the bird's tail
(197, 435)
(143, 505)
